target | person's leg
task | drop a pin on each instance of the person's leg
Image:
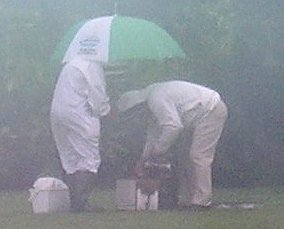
(201, 155)
(183, 159)
(168, 196)
(81, 184)
(169, 190)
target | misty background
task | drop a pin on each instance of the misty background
(233, 46)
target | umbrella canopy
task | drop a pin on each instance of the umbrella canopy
(116, 38)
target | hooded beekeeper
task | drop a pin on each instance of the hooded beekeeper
(79, 101)
(177, 107)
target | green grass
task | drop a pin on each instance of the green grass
(16, 212)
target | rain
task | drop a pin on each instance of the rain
(233, 47)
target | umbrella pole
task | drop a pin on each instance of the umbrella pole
(115, 8)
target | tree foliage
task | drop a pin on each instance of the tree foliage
(235, 47)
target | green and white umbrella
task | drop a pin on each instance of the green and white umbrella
(116, 38)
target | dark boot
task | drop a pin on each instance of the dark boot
(81, 184)
(168, 196)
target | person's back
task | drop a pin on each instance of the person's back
(184, 95)
(170, 101)
(80, 86)
(70, 92)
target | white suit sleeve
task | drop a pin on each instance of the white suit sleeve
(170, 126)
(161, 145)
(97, 97)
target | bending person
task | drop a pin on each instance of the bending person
(177, 107)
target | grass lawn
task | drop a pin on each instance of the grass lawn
(16, 213)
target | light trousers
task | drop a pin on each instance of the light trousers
(196, 162)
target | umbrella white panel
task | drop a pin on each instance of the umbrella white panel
(91, 41)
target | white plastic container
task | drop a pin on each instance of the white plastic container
(49, 195)
(125, 194)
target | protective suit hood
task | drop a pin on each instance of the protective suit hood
(131, 99)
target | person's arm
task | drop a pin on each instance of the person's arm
(170, 126)
(167, 138)
(153, 150)
(97, 97)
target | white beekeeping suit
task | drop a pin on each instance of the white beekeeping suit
(78, 103)
(177, 106)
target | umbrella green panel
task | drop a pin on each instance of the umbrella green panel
(64, 43)
(133, 38)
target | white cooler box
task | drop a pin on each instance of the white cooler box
(49, 195)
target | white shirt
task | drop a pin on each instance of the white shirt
(169, 102)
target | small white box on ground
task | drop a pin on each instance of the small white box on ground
(49, 195)
(136, 194)
(125, 194)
